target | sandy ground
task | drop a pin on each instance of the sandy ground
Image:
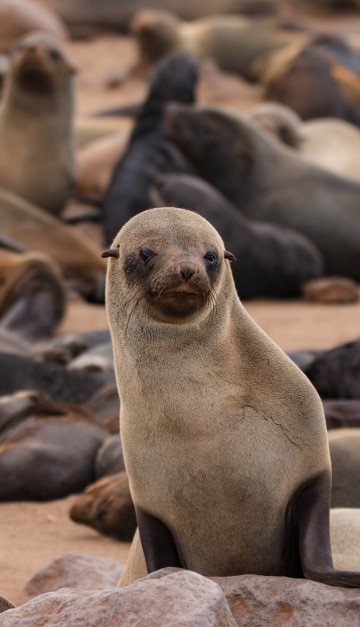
(33, 534)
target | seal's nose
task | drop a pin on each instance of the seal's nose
(187, 269)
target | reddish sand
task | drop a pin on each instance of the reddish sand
(33, 534)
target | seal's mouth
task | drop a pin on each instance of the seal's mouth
(34, 71)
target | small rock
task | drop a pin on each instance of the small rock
(76, 571)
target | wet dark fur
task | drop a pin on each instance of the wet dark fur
(150, 151)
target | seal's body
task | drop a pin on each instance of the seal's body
(224, 438)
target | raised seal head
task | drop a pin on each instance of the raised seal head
(168, 264)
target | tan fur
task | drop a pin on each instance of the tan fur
(344, 535)
(212, 411)
(37, 158)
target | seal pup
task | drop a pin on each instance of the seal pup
(212, 411)
(150, 152)
(272, 260)
(270, 182)
(36, 123)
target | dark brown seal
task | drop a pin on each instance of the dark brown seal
(224, 411)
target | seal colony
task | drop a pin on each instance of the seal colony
(212, 411)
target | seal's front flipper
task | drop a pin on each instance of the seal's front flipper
(311, 522)
(157, 542)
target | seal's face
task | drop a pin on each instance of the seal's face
(174, 282)
(168, 266)
(39, 65)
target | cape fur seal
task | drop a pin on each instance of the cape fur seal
(270, 182)
(36, 127)
(212, 411)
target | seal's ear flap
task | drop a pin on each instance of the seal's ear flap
(111, 252)
(229, 256)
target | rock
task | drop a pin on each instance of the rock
(334, 289)
(258, 601)
(179, 598)
(76, 571)
(107, 506)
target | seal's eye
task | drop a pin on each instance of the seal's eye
(54, 54)
(146, 254)
(211, 258)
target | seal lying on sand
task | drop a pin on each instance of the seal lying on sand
(212, 411)
(270, 182)
(272, 260)
(37, 156)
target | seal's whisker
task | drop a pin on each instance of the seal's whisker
(213, 299)
(141, 297)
